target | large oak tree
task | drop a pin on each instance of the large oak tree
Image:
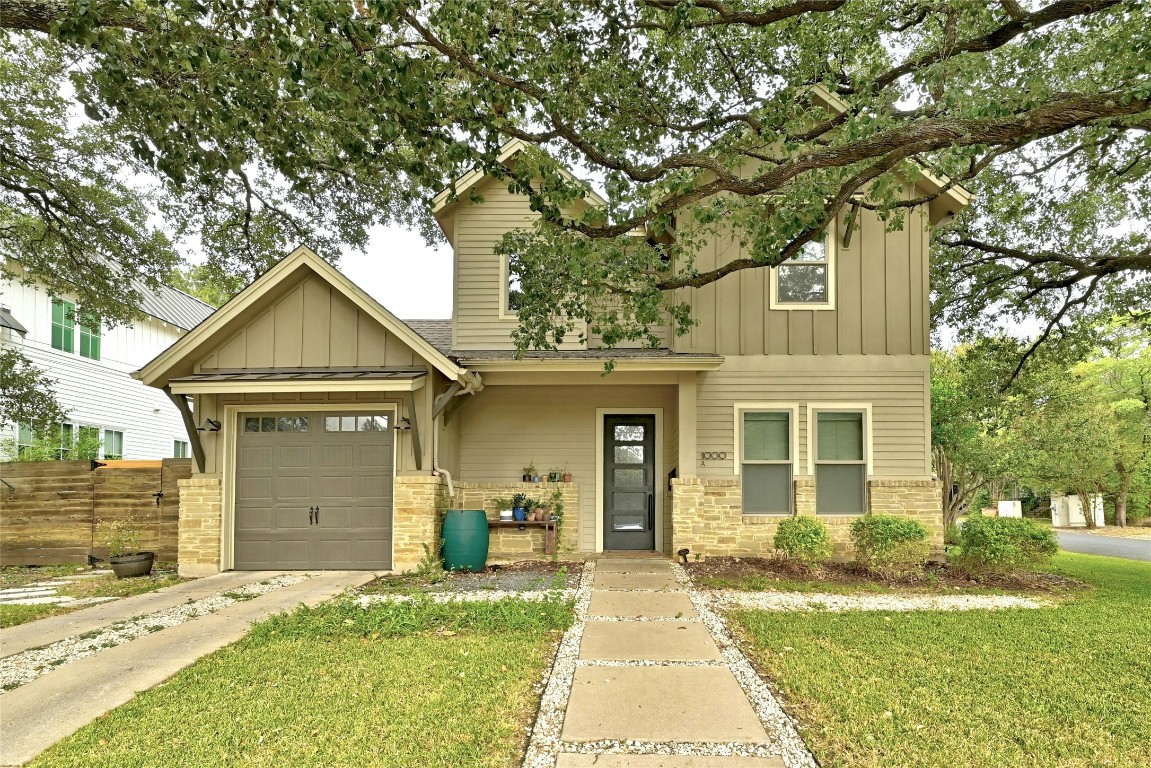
(290, 120)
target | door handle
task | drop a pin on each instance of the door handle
(311, 511)
(651, 511)
(317, 515)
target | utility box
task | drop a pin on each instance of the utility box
(1069, 512)
(1010, 509)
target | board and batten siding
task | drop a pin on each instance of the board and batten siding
(504, 428)
(896, 387)
(479, 273)
(99, 393)
(882, 298)
(310, 324)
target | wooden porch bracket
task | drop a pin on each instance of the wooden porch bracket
(181, 403)
(410, 403)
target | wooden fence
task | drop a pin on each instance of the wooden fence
(49, 510)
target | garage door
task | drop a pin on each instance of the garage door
(314, 490)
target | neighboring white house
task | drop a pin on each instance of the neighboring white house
(93, 368)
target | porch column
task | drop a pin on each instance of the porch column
(687, 424)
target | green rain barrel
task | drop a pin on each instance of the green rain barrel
(465, 540)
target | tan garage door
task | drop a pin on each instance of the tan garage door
(314, 490)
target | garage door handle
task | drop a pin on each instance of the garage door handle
(317, 515)
(311, 511)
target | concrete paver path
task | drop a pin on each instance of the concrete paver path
(652, 687)
(57, 704)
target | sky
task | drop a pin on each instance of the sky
(400, 271)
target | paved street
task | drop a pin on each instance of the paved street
(1112, 546)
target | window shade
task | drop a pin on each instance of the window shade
(840, 436)
(766, 436)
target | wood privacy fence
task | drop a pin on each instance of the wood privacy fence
(49, 510)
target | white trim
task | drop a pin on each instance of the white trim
(793, 427)
(812, 438)
(246, 386)
(658, 480)
(231, 431)
(831, 248)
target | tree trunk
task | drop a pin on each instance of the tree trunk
(1121, 500)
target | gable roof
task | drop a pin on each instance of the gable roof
(157, 372)
(476, 175)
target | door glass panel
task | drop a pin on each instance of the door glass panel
(629, 433)
(629, 478)
(629, 502)
(629, 454)
(251, 424)
(268, 424)
(627, 522)
(347, 423)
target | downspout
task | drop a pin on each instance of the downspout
(457, 388)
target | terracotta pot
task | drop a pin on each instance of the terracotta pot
(540, 515)
(567, 477)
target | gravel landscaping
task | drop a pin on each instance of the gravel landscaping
(21, 668)
(814, 601)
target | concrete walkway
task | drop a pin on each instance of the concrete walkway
(653, 684)
(57, 704)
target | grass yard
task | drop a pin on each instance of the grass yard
(396, 685)
(1067, 687)
(163, 575)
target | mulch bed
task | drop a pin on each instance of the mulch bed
(937, 576)
(525, 575)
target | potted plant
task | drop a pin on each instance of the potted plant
(520, 506)
(554, 475)
(529, 472)
(539, 511)
(122, 540)
(567, 476)
(503, 507)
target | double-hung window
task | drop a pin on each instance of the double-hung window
(765, 460)
(806, 280)
(180, 449)
(63, 326)
(840, 462)
(113, 444)
(90, 340)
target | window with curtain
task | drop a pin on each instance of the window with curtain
(765, 462)
(840, 463)
(63, 326)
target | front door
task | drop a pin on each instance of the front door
(629, 482)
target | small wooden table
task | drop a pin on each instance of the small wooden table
(549, 527)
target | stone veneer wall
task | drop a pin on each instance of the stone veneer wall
(512, 543)
(419, 504)
(201, 508)
(708, 519)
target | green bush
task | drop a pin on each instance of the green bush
(803, 539)
(890, 546)
(1002, 545)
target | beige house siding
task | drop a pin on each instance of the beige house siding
(505, 427)
(478, 322)
(896, 387)
(882, 298)
(309, 324)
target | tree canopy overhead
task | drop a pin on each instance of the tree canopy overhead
(312, 120)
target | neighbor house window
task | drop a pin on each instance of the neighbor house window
(67, 440)
(515, 291)
(90, 340)
(113, 444)
(63, 326)
(766, 461)
(24, 440)
(840, 463)
(180, 449)
(807, 280)
(87, 443)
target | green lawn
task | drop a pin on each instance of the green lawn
(1061, 687)
(391, 685)
(163, 575)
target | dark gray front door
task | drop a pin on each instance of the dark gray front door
(313, 490)
(629, 482)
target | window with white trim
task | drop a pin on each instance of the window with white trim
(180, 449)
(24, 440)
(513, 287)
(840, 462)
(113, 444)
(766, 461)
(806, 280)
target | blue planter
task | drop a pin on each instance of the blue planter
(519, 513)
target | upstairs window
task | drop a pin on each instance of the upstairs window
(90, 340)
(807, 280)
(514, 289)
(63, 326)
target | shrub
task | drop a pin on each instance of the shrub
(1002, 545)
(803, 539)
(890, 546)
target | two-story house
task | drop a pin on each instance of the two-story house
(92, 366)
(345, 432)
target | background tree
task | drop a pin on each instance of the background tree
(206, 282)
(27, 395)
(283, 121)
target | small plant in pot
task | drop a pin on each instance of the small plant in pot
(539, 511)
(503, 507)
(529, 472)
(566, 476)
(122, 540)
(520, 506)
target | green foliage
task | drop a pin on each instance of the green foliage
(521, 501)
(556, 507)
(27, 394)
(207, 282)
(889, 545)
(1002, 545)
(54, 443)
(803, 539)
(118, 537)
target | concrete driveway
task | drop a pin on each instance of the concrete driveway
(77, 692)
(1111, 546)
